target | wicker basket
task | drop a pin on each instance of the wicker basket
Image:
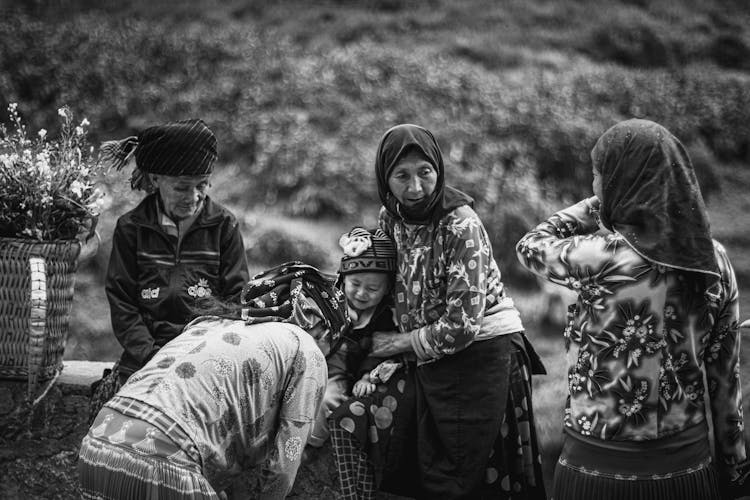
(36, 296)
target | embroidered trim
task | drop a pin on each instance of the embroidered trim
(150, 293)
(634, 477)
(200, 290)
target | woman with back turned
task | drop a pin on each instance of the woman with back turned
(654, 333)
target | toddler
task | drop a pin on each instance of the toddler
(366, 275)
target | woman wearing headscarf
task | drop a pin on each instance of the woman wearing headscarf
(458, 422)
(176, 247)
(654, 333)
(233, 394)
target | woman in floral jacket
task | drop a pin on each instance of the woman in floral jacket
(233, 395)
(657, 312)
(457, 423)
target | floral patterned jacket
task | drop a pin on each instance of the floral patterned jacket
(637, 342)
(446, 279)
(247, 396)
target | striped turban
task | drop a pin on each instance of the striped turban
(186, 147)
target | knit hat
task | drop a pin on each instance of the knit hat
(186, 147)
(367, 251)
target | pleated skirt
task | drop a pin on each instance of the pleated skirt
(674, 468)
(127, 458)
(107, 471)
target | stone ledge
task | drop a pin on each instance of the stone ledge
(82, 373)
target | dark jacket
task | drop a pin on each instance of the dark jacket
(353, 359)
(153, 285)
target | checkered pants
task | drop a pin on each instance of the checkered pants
(356, 473)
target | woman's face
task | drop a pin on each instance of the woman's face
(365, 290)
(412, 180)
(181, 195)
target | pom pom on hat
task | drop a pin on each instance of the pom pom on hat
(367, 251)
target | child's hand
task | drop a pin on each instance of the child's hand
(363, 387)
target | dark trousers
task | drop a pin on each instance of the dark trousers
(460, 401)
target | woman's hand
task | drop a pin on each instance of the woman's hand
(363, 387)
(386, 344)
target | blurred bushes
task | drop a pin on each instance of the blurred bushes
(301, 127)
(271, 247)
(631, 38)
(731, 51)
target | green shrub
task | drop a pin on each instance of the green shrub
(270, 247)
(630, 38)
(730, 51)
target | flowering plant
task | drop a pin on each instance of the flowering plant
(47, 190)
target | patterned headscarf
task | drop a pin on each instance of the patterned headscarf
(650, 195)
(299, 294)
(186, 147)
(396, 143)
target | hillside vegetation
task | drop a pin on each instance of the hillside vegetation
(517, 93)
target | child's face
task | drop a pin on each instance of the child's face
(365, 290)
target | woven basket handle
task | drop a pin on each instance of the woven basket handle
(38, 320)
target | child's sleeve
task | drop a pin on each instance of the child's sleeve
(367, 365)
(384, 322)
(337, 362)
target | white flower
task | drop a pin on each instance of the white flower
(42, 165)
(85, 123)
(76, 187)
(42, 133)
(101, 204)
(12, 107)
(62, 112)
(79, 130)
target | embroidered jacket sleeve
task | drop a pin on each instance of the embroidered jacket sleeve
(564, 250)
(233, 267)
(466, 250)
(122, 294)
(722, 361)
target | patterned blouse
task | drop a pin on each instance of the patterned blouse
(637, 343)
(446, 280)
(246, 395)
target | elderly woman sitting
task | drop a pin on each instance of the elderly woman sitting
(233, 393)
(176, 247)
